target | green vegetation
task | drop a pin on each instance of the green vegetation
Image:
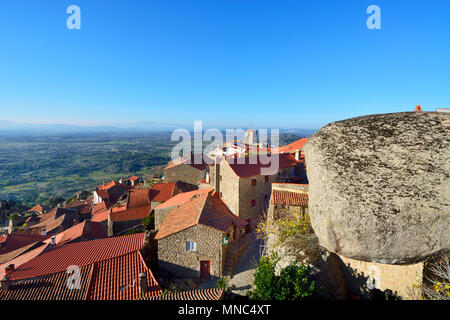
(149, 222)
(293, 283)
(34, 169)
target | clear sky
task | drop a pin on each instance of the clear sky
(286, 63)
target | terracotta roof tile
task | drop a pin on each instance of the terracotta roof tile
(200, 294)
(161, 192)
(283, 197)
(15, 241)
(182, 198)
(23, 258)
(86, 229)
(204, 209)
(58, 258)
(253, 165)
(118, 279)
(292, 147)
(112, 279)
(50, 287)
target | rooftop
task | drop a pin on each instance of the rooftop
(205, 209)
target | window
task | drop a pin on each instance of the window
(266, 178)
(266, 197)
(191, 246)
(220, 194)
(253, 182)
(220, 177)
(253, 203)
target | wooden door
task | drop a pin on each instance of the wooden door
(205, 268)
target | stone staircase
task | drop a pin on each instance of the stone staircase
(235, 250)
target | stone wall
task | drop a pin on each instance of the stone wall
(293, 187)
(115, 227)
(160, 215)
(185, 173)
(363, 276)
(180, 263)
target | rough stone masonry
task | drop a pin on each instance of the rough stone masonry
(379, 186)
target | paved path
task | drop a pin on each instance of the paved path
(243, 271)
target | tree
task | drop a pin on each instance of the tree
(149, 222)
(293, 283)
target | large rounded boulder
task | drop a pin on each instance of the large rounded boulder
(379, 186)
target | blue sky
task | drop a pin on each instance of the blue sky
(285, 63)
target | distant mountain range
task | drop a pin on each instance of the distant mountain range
(15, 128)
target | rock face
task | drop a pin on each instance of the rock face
(379, 186)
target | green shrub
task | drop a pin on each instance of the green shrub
(293, 283)
(149, 222)
(222, 283)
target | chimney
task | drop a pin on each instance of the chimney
(5, 283)
(53, 240)
(297, 155)
(44, 232)
(143, 283)
(207, 177)
(9, 268)
(217, 173)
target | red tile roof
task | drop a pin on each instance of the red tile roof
(138, 206)
(200, 294)
(116, 278)
(110, 185)
(284, 197)
(15, 241)
(182, 198)
(86, 230)
(23, 258)
(161, 192)
(253, 165)
(205, 209)
(40, 209)
(292, 147)
(102, 194)
(14, 254)
(51, 287)
(58, 258)
(53, 222)
(133, 178)
(101, 216)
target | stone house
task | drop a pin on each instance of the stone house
(137, 207)
(109, 193)
(51, 223)
(161, 211)
(186, 171)
(161, 192)
(195, 238)
(243, 187)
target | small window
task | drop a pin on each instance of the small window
(220, 194)
(266, 178)
(220, 177)
(253, 203)
(191, 246)
(253, 182)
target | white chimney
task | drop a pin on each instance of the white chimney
(207, 177)
(53, 240)
(44, 232)
(297, 155)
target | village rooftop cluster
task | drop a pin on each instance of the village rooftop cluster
(126, 240)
